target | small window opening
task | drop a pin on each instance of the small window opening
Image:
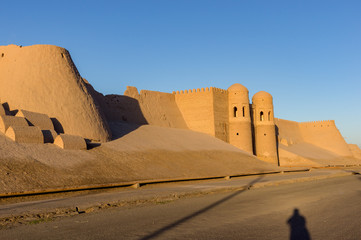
(235, 112)
(265, 134)
(269, 116)
(2, 55)
(237, 133)
(62, 55)
(261, 116)
(243, 112)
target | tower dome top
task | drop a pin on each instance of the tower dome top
(238, 87)
(261, 95)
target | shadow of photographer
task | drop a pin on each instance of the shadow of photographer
(298, 229)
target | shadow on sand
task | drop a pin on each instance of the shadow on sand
(199, 212)
(298, 229)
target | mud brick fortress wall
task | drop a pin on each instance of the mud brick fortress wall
(49, 86)
(226, 114)
(205, 110)
(323, 134)
(229, 116)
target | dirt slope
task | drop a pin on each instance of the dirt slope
(145, 152)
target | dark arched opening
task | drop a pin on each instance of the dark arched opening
(269, 116)
(243, 112)
(261, 116)
(235, 112)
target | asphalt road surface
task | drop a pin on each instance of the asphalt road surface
(323, 209)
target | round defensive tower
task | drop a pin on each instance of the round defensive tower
(264, 127)
(240, 131)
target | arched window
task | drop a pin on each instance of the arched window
(243, 112)
(235, 112)
(269, 116)
(261, 116)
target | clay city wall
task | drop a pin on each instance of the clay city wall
(355, 150)
(221, 118)
(146, 107)
(197, 109)
(44, 79)
(47, 82)
(160, 109)
(289, 132)
(325, 134)
(202, 110)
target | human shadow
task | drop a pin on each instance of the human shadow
(298, 229)
(199, 212)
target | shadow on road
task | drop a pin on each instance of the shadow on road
(199, 212)
(298, 229)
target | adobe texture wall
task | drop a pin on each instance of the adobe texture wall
(325, 134)
(355, 150)
(160, 109)
(197, 109)
(220, 110)
(318, 141)
(146, 107)
(289, 132)
(44, 79)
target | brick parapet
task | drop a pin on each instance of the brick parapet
(201, 90)
(322, 123)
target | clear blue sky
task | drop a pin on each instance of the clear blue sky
(307, 54)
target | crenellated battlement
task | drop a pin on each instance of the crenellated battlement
(201, 90)
(322, 123)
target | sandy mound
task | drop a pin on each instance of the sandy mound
(143, 153)
(44, 79)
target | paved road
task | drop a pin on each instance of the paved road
(323, 209)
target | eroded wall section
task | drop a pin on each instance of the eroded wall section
(44, 79)
(325, 134)
(146, 107)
